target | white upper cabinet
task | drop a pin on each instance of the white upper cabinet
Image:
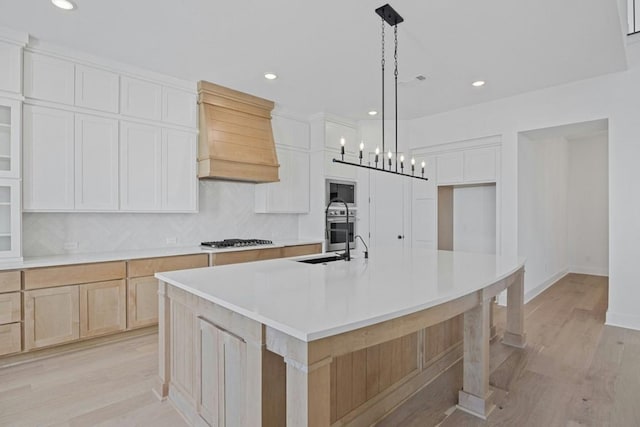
(335, 131)
(96, 163)
(10, 219)
(291, 194)
(290, 132)
(178, 107)
(96, 89)
(48, 78)
(140, 167)
(480, 165)
(450, 168)
(48, 159)
(141, 99)
(179, 180)
(10, 67)
(10, 127)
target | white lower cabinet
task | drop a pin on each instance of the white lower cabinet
(96, 163)
(140, 167)
(48, 159)
(291, 194)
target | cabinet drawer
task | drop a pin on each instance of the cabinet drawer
(246, 256)
(10, 339)
(298, 250)
(9, 281)
(10, 308)
(151, 266)
(73, 274)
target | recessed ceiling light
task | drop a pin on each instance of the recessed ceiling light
(478, 83)
(270, 76)
(64, 4)
(373, 113)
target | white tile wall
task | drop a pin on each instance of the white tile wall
(226, 211)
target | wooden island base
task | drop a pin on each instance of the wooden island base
(221, 368)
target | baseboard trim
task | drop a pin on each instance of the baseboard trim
(528, 296)
(592, 271)
(628, 321)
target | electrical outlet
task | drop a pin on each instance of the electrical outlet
(171, 240)
(69, 246)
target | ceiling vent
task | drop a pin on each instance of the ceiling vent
(236, 139)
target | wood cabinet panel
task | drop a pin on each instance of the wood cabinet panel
(150, 266)
(96, 89)
(289, 251)
(9, 281)
(10, 308)
(142, 302)
(51, 316)
(10, 339)
(440, 338)
(102, 308)
(47, 277)
(246, 256)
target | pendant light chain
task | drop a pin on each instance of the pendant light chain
(395, 73)
(382, 63)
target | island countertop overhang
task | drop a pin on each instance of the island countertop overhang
(311, 302)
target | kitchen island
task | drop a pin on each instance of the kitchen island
(265, 343)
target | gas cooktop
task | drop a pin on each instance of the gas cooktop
(236, 243)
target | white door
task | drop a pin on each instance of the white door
(179, 181)
(387, 210)
(96, 160)
(48, 159)
(140, 167)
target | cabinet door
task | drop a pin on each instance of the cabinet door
(222, 387)
(102, 308)
(96, 163)
(449, 169)
(335, 131)
(96, 89)
(178, 107)
(139, 98)
(142, 302)
(48, 78)
(48, 159)
(291, 193)
(51, 316)
(180, 180)
(290, 132)
(140, 167)
(336, 170)
(424, 209)
(10, 126)
(480, 165)
(10, 338)
(10, 219)
(387, 210)
(10, 67)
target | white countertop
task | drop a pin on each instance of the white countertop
(311, 302)
(86, 258)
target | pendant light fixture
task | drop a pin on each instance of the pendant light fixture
(388, 16)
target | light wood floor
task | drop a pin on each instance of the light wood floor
(574, 372)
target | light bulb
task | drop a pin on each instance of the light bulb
(401, 158)
(342, 141)
(389, 154)
(361, 146)
(423, 164)
(377, 150)
(413, 161)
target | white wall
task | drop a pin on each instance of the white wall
(226, 211)
(588, 202)
(615, 97)
(543, 187)
(474, 219)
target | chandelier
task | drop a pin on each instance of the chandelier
(389, 16)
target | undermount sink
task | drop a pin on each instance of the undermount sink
(321, 260)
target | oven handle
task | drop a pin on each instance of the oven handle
(341, 219)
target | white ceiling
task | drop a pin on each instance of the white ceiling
(327, 53)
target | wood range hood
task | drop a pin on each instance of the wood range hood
(236, 139)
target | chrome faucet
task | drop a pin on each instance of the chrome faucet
(347, 252)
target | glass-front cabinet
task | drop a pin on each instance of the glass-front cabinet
(10, 120)
(10, 219)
